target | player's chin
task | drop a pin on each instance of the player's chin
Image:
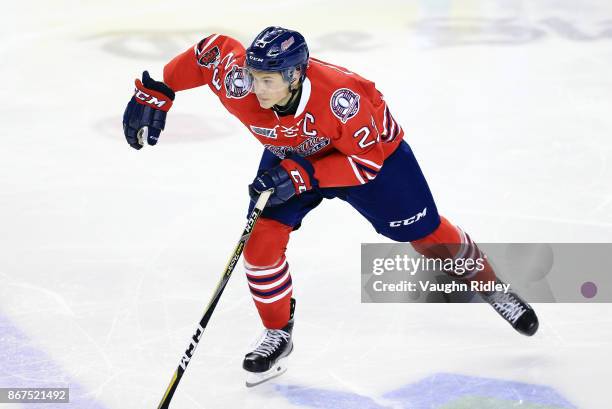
(265, 103)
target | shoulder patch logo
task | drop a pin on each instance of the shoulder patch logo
(265, 132)
(207, 58)
(235, 85)
(344, 103)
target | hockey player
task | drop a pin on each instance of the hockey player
(327, 133)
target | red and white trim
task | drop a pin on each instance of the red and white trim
(275, 298)
(391, 129)
(358, 175)
(467, 250)
(268, 285)
(367, 162)
(211, 39)
(364, 169)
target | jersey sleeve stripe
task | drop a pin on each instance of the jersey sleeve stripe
(397, 132)
(385, 122)
(355, 170)
(368, 175)
(368, 162)
(366, 172)
(392, 128)
(211, 39)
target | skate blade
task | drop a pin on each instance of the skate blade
(257, 378)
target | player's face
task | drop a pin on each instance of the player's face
(270, 88)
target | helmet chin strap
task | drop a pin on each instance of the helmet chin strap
(291, 106)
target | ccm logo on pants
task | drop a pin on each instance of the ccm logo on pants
(409, 220)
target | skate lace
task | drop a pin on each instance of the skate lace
(270, 341)
(508, 306)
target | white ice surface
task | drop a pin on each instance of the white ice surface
(109, 255)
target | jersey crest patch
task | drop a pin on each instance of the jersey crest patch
(312, 145)
(344, 103)
(207, 58)
(265, 132)
(309, 147)
(235, 85)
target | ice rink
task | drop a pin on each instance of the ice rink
(109, 255)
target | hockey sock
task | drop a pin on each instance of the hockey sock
(267, 272)
(449, 241)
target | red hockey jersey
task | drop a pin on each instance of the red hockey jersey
(342, 125)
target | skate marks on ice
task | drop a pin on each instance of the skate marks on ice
(438, 391)
(22, 365)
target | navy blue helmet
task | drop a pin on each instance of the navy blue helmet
(278, 49)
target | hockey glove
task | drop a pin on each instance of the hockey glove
(293, 176)
(145, 114)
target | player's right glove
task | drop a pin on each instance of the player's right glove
(145, 114)
(293, 176)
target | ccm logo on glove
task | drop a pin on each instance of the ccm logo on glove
(148, 98)
(299, 176)
(298, 181)
(293, 176)
(159, 100)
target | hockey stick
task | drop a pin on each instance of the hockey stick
(229, 268)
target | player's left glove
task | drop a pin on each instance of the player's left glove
(293, 176)
(145, 114)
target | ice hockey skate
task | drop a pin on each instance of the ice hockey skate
(268, 358)
(514, 310)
